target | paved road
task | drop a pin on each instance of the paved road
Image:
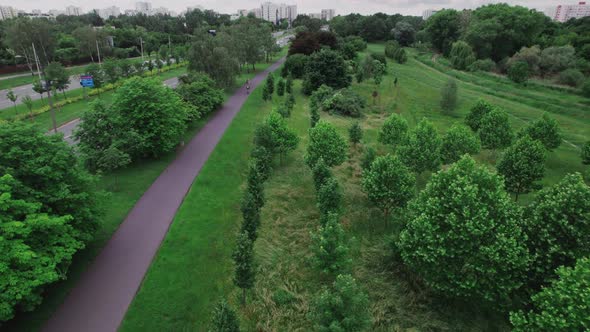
(102, 295)
(68, 129)
(27, 90)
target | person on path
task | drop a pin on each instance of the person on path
(247, 86)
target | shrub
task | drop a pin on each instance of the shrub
(329, 247)
(477, 113)
(394, 130)
(571, 77)
(321, 174)
(355, 133)
(368, 157)
(379, 57)
(563, 306)
(329, 197)
(390, 48)
(459, 140)
(448, 96)
(295, 65)
(586, 88)
(482, 65)
(544, 130)
(466, 201)
(224, 318)
(346, 102)
(518, 72)
(461, 56)
(421, 150)
(326, 67)
(585, 153)
(495, 131)
(400, 55)
(359, 43)
(326, 143)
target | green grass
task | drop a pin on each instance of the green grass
(74, 110)
(124, 189)
(193, 268)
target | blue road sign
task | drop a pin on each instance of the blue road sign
(87, 81)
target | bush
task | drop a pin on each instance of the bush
(200, 92)
(544, 130)
(329, 197)
(495, 131)
(461, 56)
(466, 201)
(329, 247)
(394, 130)
(482, 65)
(400, 56)
(518, 72)
(571, 77)
(448, 96)
(379, 57)
(586, 88)
(390, 48)
(585, 153)
(564, 306)
(326, 67)
(421, 149)
(325, 143)
(346, 102)
(295, 64)
(359, 43)
(477, 113)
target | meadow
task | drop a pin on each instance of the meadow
(193, 268)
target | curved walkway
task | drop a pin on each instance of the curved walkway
(100, 299)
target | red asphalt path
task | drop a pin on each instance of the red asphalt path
(101, 297)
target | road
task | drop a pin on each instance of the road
(68, 129)
(100, 299)
(27, 90)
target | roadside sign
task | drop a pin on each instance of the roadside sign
(86, 81)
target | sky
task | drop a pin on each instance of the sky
(406, 7)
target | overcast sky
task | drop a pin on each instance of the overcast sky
(408, 7)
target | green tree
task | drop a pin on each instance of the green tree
(522, 165)
(345, 102)
(111, 70)
(404, 33)
(400, 55)
(280, 87)
(262, 159)
(461, 55)
(329, 197)
(466, 201)
(224, 318)
(270, 84)
(563, 306)
(266, 94)
(289, 84)
(389, 184)
(390, 48)
(326, 67)
(58, 75)
(250, 207)
(200, 92)
(343, 307)
(477, 113)
(378, 71)
(394, 130)
(329, 247)
(444, 28)
(544, 130)
(28, 101)
(243, 256)
(211, 56)
(113, 158)
(519, 72)
(421, 150)
(255, 185)
(36, 248)
(586, 88)
(459, 140)
(368, 157)
(558, 227)
(326, 143)
(355, 133)
(585, 153)
(282, 138)
(12, 97)
(495, 131)
(97, 74)
(448, 96)
(321, 174)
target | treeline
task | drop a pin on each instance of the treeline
(74, 39)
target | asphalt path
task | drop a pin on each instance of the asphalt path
(68, 129)
(100, 299)
(27, 90)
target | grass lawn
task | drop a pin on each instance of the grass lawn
(193, 268)
(74, 110)
(124, 188)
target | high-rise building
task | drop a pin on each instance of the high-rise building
(160, 10)
(109, 11)
(73, 11)
(142, 7)
(315, 15)
(564, 13)
(291, 13)
(7, 12)
(427, 13)
(328, 14)
(56, 12)
(274, 13)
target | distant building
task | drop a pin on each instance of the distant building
(564, 13)
(56, 12)
(274, 13)
(7, 12)
(130, 12)
(242, 12)
(160, 10)
(328, 14)
(109, 11)
(291, 13)
(257, 12)
(73, 11)
(142, 7)
(427, 13)
(315, 15)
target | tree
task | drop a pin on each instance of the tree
(563, 306)
(544, 130)
(329, 197)
(243, 256)
(250, 207)
(400, 56)
(355, 133)
(58, 76)
(321, 174)
(368, 157)
(281, 139)
(270, 83)
(448, 94)
(345, 102)
(262, 159)
(585, 153)
(421, 149)
(289, 84)
(461, 55)
(557, 58)
(404, 33)
(444, 29)
(329, 247)
(388, 183)
(477, 113)
(255, 186)
(557, 224)
(326, 143)
(390, 48)
(280, 87)
(28, 101)
(35, 247)
(200, 92)
(113, 158)
(394, 130)
(12, 97)
(586, 88)
(379, 71)
(325, 67)
(224, 318)
(266, 94)
(344, 307)
(39, 87)
(519, 72)
(495, 131)
(319, 96)
(522, 165)
(211, 56)
(295, 65)
(466, 201)
(314, 116)
(111, 70)
(97, 74)
(457, 142)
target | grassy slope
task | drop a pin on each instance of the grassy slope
(193, 268)
(73, 110)
(131, 183)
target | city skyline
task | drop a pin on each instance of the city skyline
(406, 7)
